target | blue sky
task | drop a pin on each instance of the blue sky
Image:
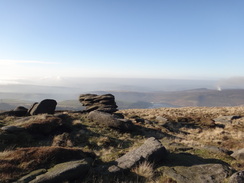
(178, 39)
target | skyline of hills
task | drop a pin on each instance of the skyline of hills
(200, 97)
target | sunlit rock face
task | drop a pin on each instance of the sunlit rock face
(104, 103)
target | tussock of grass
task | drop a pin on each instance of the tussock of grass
(144, 169)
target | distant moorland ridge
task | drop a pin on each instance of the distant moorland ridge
(129, 100)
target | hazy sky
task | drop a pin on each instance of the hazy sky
(182, 39)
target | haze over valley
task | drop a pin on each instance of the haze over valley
(129, 93)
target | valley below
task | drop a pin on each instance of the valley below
(201, 97)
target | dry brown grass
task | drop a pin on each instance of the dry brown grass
(18, 162)
(144, 169)
(192, 112)
(192, 127)
(195, 126)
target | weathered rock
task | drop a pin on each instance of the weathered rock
(27, 178)
(12, 129)
(67, 171)
(161, 120)
(20, 111)
(225, 119)
(239, 154)
(46, 106)
(33, 158)
(211, 173)
(109, 120)
(41, 124)
(215, 149)
(152, 150)
(237, 177)
(87, 97)
(104, 103)
(32, 108)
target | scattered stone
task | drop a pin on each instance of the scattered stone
(20, 111)
(12, 129)
(104, 103)
(239, 154)
(148, 122)
(140, 120)
(152, 150)
(161, 120)
(225, 119)
(215, 149)
(109, 120)
(67, 171)
(31, 176)
(237, 177)
(211, 173)
(118, 115)
(46, 106)
(184, 119)
(173, 126)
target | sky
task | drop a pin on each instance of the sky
(48, 40)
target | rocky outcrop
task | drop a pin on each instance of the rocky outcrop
(104, 103)
(152, 151)
(46, 106)
(109, 120)
(212, 173)
(225, 119)
(237, 177)
(44, 124)
(20, 111)
(30, 159)
(27, 178)
(67, 171)
(26, 128)
(238, 154)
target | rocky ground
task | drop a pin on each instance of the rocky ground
(137, 145)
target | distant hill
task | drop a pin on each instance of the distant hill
(128, 100)
(10, 104)
(69, 105)
(197, 97)
(202, 97)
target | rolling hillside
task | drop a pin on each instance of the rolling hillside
(129, 100)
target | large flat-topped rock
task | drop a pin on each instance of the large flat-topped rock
(104, 103)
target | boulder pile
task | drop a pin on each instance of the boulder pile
(45, 106)
(104, 103)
